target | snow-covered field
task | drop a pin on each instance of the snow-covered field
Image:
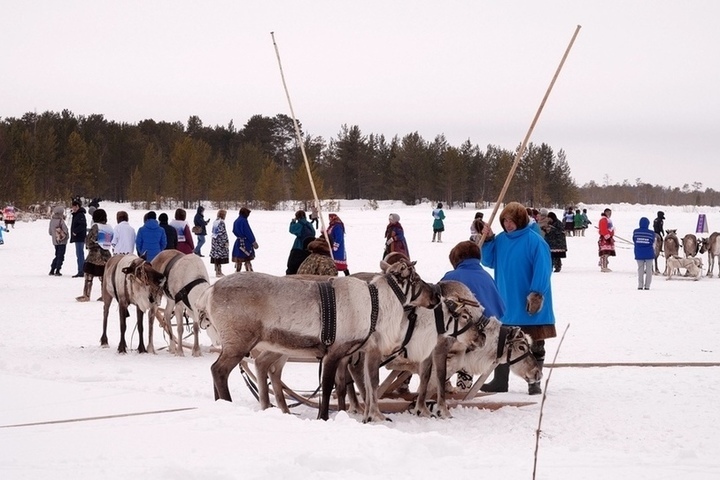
(598, 423)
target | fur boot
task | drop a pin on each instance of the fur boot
(238, 266)
(248, 266)
(439, 237)
(218, 270)
(499, 382)
(87, 288)
(434, 236)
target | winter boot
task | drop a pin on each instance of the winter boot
(218, 270)
(434, 235)
(534, 388)
(248, 267)
(499, 382)
(439, 237)
(52, 271)
(238, 266)
(85, 297)
(346, 272)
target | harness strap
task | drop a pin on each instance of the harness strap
(182, 295)
(439, 319)
(375, 306)
(412, 321)
(402, 296)
(166, 272)
(502, 338)
(328, 313)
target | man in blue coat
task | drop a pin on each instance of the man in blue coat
(644, 241)
(151, 238)
(522, 264)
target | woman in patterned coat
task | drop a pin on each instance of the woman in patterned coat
(220, 243)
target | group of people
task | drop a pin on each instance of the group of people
(575, 222)
(324, 255)
(520, 295)
(156, 234)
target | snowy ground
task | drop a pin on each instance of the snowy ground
(624, 422)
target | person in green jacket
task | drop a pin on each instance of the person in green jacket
(438, 225)
(579, 223)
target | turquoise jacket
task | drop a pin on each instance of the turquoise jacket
(522, 264)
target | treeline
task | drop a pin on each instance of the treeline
(52, 156)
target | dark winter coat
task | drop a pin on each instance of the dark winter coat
(170, 235)
(151, 239)
(555, 237)
(199, 221)
(644, 240)
(78, 226)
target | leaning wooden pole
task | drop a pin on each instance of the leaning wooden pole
(525, 141)
(302, 145)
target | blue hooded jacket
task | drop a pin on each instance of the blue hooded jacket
(522, 264)
(151, 239)
(481, 284)
(644, 240)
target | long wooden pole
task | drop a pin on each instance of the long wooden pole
(302, 146)
(525, 141)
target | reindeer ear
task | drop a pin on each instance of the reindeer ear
(384, 266)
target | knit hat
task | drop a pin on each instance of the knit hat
(394, 217)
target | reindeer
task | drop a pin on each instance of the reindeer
(671, 246)
(690, 245)
(186, 280)
(273, 313)
(712, 247)
(657, 248)
(129, 279)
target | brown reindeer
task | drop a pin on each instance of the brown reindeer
(712, 247)
(129, 279)
(657, 249)
(690, 245)
(671, 246)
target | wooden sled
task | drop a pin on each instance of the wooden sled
(389, 400)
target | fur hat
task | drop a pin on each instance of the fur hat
(394, 217)
(319, 246)
(544, 212)
(463, 251)
(515, 212)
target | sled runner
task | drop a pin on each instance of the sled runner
(390, 401)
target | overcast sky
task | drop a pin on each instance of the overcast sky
(638, 97)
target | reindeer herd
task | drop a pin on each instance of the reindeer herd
(351, 325)
(692, 246)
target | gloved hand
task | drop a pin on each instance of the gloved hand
(534, 303)
(255, 245)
